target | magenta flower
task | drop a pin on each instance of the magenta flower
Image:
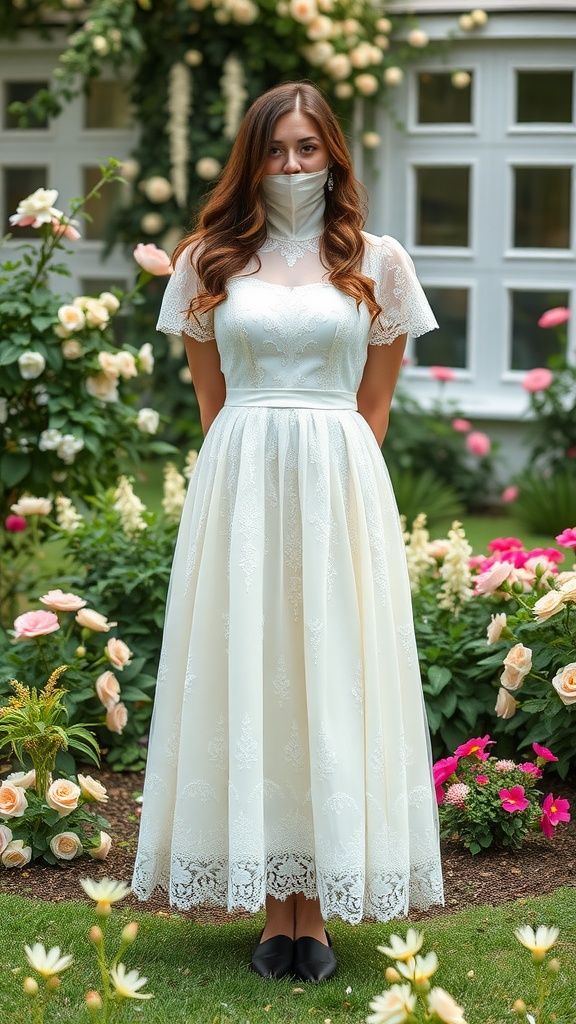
(543, 752)
(531, 769)
(513, 799)
(556, 810)
(554, 317)
(32, 624)
(538, 379)
(482, 780)
(476, 746)
(461, 425)
(552, 554)
(15, 524)
(510, 494)
(441, 771)
(478, 443)
(442, 373)
(505, 544)
(567, 538)
(547, 826)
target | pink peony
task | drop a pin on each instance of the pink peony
(478, 443)
(510, 494)
(489, 581)
(461, 425)
(538, 379)
(475, 746)
(531, 769)
(513, 799)
(505, 544)
(15, 524)
(62, 602)
(152, 259)
(556, 810)
(32, 624)
(543, 752)
(554, 317)
(442, 373)
(567, 539)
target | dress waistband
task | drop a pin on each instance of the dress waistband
(291, 398)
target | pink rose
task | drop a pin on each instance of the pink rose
(32, 624)
(90, 619)
(567, 539)
(510, 494)
(116, 717)
(118, 652)
(65, 230)
(478, 443)
(153, 260)
(15, 524)
(442, 373)
(462, 425)
(108, 689)
(489, 581)
(554, 317)
(538, 379)
(62, 602)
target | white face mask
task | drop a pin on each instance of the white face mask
(295, 204)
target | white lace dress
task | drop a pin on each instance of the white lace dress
(289, 748)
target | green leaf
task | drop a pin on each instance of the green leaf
(438, 676)
(14, 466)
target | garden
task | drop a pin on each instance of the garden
(94, 473)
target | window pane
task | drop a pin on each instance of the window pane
(442, 205)
(21, 92)
(442, 102)
(532, 345)
(447, 346)
(542, 207)
(101, 209)
(107, 105)
(19, 182)
(544, 96)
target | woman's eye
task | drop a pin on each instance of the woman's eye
(308, 149)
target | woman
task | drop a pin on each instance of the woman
(288, 762)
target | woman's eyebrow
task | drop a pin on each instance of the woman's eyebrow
(309, 138)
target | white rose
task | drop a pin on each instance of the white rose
(548, 605)
(418, 38)
(16, 855)
(564, 683)
(146, 358)
(126, 364)
(565, 577)
(443, 1005)
(72, 349)
(101, 852)
(318, 53)
(366, 85)
(29, 505)
(5, 837)
(393, 76)
(49, 440)
(505, 704)
(13, 800)
(147, 421)
(109, 364)
(497, 624)
(63, 796)
(31, 365)
(22, 779)
(109, 301)
(208, 168)
(517, 665)
(157, 189)
(40, 205)
(71, 318)
(66, 846)
(568, 589)
(101, 46)
(102, 387)
(94, 620)
(91, 789)
(69, 447)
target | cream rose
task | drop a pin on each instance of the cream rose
(66, 846)
(564, 683)
(548, 605)
(497, 624)
(505, 704)
(71, 318)
(208, 168)
(101, 852)
(126, 364)
(118, 652)
(5, 837)
(62, 602)
(108, 689)
(72, 349)
(31, 365)
(564, 577)
(393, 75)
(22, 779)
(16, 855)
(146, 358)
(568, 590)
(147, 421)
(91, 789)
(109, 364)
(116, 717)
(96, 313)
(109, 301)
(517, 665)
(102, 387)
(338, 66)
(13, 800)
(63, 796)
(94, 620)
(366, 84)
(29, 505)
(157, 189)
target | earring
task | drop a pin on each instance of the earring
(330, 181)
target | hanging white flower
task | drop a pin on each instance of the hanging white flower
(235, 95)
(179, 111)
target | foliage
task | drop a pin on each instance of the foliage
(490, 800)
(415, 492)
(438, 442)
(69, 418)
(546, 500)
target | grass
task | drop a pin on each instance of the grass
(199, 973)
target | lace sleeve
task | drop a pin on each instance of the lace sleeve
(405, 308)
(180, 290)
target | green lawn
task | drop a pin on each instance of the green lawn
(199, 974)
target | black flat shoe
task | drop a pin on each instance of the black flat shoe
(274, 958)
(313, 961)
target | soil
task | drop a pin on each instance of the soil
(493, 877)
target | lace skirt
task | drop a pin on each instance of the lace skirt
(289, 748)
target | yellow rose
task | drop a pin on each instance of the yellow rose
(63, 796)
(66, 846)
(564, 683)
(13, 800)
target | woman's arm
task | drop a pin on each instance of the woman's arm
(377, 385)
(207, 378)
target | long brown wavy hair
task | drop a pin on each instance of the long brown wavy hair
(232, 226)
